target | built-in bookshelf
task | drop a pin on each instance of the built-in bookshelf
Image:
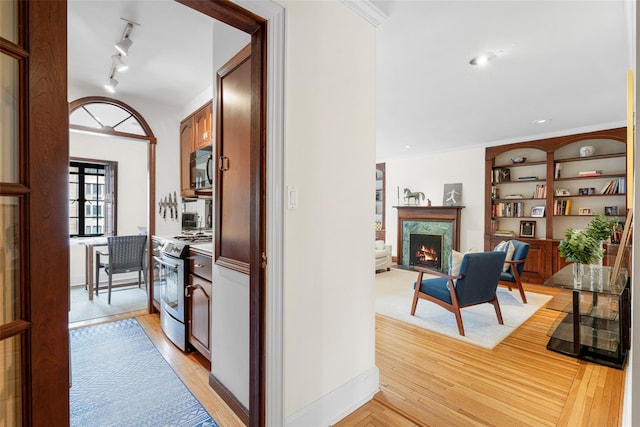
(536, 190)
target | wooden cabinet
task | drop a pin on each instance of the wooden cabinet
(186, 147)
(552, 185)
(202, 120)
(195, 133)
(199, 293)
(234, 193)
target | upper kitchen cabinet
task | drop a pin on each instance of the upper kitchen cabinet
(195, 134)
(202, 121)
(186, 147)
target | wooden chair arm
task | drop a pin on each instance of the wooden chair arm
(520, 261)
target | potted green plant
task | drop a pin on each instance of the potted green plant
(600, 228)
(581, 248)
(578, 246)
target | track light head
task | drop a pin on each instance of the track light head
(123, 46)
(118, 64)
(111, 84)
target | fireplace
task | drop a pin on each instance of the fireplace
(442, 221)
(425, 250)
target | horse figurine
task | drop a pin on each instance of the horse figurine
(408, 196)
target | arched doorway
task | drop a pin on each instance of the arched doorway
(113, 118)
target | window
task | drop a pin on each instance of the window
(91, 198)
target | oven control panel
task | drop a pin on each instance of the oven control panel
(176, 250)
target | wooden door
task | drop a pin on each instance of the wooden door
(233, 150)
(34, 155)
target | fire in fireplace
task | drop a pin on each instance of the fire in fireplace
(425, 250)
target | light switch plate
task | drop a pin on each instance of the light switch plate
(292, 198)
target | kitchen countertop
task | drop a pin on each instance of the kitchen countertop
(204, 248)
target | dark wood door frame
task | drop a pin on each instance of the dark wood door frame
(45, 298)
(240, 18)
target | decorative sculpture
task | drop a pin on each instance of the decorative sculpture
(416, 197)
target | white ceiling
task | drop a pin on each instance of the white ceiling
(560, 60)
(170, 61)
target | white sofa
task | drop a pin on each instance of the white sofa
(383, 255)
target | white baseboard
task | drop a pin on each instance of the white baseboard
(339, 403)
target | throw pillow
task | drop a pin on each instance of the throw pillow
(509, 249)
(455, 259)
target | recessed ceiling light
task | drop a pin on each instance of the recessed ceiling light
(483, 59)
(408, 146)
(541, 121)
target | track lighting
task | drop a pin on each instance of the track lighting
(118, 63)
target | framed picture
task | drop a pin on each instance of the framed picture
(537, 211)
(527, 228)
(611, 210)
(452, 195)
(584, 211)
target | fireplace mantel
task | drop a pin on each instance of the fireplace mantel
(445, 214)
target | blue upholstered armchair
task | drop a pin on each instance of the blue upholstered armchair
(475, 283)
(511, 278)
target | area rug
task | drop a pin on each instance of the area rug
(394, 295)
(120, 379)
(123, 300)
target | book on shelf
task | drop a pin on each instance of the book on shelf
(556, 174)
(596, 172)
(504, 233)
(513, 196)
(541, 191)
(615, 186)
(508, 209)
(527, 178)
(562, 207)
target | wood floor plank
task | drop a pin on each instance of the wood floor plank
(433, 380)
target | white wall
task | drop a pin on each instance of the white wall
(428, 174)
(330, 157)
(131, 156)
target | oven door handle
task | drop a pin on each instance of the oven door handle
(166, 264)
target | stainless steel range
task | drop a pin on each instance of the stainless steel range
(172, 261)
(174, 274)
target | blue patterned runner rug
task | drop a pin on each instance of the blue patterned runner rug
(120, 379)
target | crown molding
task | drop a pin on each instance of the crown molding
(370, 12)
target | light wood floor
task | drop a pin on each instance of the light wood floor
(427, 379)
(430, 380)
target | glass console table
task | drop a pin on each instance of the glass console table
(597, 321)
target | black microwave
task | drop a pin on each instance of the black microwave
(201, 176)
